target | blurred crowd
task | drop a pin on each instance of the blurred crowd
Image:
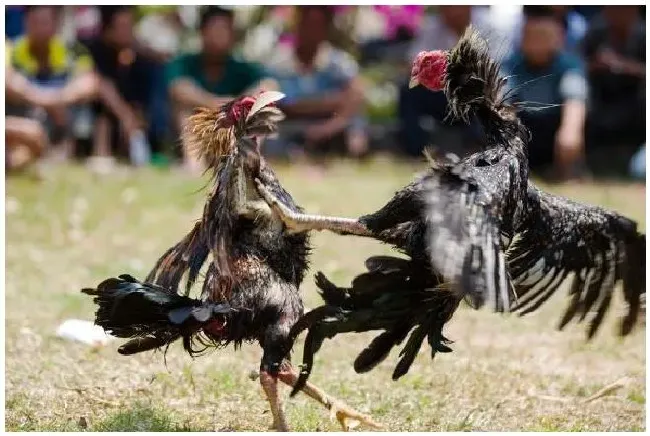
(109, 83)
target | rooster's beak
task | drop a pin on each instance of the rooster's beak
(413, 82)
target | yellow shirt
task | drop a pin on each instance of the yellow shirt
(63, 61)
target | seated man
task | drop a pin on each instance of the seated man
(213, 76)
(324, 93)
(42, 57)
(25, 139)
(574, 24)
(541, 73)
(615, 52)
(125, 90)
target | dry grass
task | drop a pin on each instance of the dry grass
(75, 230)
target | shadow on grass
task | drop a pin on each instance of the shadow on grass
(142, 418)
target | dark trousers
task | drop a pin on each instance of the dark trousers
(543, 126)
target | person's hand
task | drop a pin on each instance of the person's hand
(130, 122)
(610, 59)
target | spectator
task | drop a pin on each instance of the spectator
(324, 93)
(125, 89)
(615, 52)
(439, 32)
(160, 32)
(25, 139)
(542, 73)
(42, 57)
(213, 76)
(573, 23)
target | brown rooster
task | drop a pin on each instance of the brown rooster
(251, 288)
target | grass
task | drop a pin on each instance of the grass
(74, 230)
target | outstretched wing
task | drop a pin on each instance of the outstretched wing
(598, 246)
(465, 204)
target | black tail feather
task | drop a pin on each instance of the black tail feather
(150, 315)
(148, 343)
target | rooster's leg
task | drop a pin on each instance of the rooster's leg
(299, 222)
(338, 409)
(270, 386)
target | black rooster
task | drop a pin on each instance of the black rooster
(250, 292)
(474, 228)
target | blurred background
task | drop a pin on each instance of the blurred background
(116, 81)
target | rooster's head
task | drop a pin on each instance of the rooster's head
(429, 70)
(211, 134)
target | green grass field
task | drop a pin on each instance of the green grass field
(75, 229)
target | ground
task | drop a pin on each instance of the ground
(74, 229)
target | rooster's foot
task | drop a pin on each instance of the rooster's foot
(286, 215)
(349, 418)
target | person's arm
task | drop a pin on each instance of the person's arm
(324, 105)
(116, 104)
(19, 90)
(569, 139)
(81, 88)
(572, 123)
(83, 85)
(186, 93)
(183, 91)
(630, 67)
(350, 105)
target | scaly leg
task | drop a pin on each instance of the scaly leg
(270, 386)
(298, 222)
(338, 409)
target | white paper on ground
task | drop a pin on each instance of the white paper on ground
(83, 331)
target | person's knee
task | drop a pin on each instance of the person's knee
(26, 131)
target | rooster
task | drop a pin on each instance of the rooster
(473, 228)
(251, 287)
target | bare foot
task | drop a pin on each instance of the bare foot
(357, 143)
(101, 165)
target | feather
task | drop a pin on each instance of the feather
(386, 264)
(473, 85)
(262, 100)
(410, 351)
(378, 350)
(463, 225)
(596, 245)
(148, 343)
(148, 314)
